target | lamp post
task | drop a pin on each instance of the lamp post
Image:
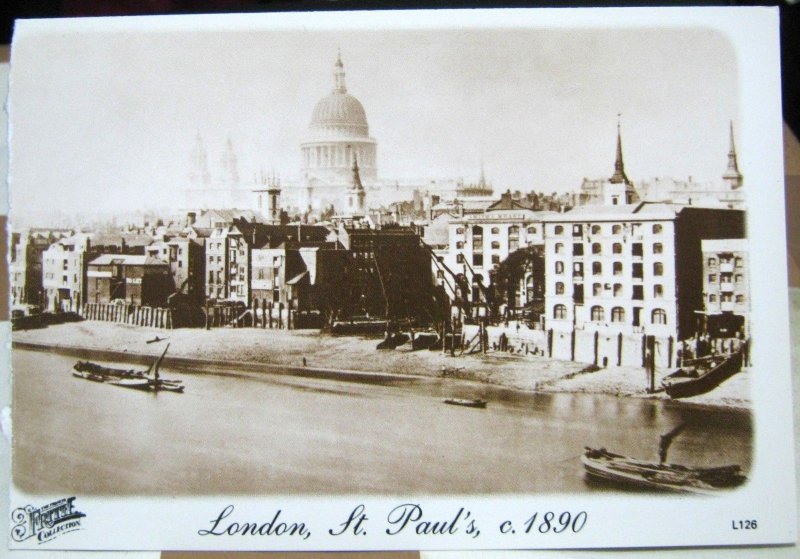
(455, 311)
(481, 312)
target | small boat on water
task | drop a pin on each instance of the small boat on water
(631, 472)
(86, 369)
(128, 378)
(702, 375)
(466, 402)
(149, 385)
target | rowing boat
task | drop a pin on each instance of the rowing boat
(466, 402)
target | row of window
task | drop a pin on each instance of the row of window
(577, 229)
(598, 313)
(738, 262)
(616, 229)
(616, 248)
(616, 289)
(725, 278)
(616, 268)
(513, 230)
(725, 298)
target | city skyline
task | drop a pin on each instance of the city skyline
(537, 108)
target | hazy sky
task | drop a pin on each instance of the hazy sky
(107, 119)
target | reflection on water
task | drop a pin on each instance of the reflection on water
(260, 433)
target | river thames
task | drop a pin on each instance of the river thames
(266, 433)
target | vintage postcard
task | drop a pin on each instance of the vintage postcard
(445, 280)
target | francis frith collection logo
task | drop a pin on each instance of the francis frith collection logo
(47, 522)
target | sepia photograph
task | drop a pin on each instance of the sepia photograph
(507, 256)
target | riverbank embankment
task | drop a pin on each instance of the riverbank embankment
(314, 350)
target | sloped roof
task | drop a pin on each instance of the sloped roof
(127, 260)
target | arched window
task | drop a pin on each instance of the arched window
(616, 229)
(617, 290)
(658, 248)
(560, 312)
(740, 298)
(559, 288)
(658, 290)
(559, 267)
(738, 262)
(559, 248)
(459, 244)
(712, 298)
(712, 262)
(495, 230)
(596, 248)
(597, 268)
(598, 315)
(657, 228)
(531, 230)
(659, 316)
(617, 248)
(738, 278)
(596, 230)
(617, 314)
(559, 230)
(495, 244)
(617, 268)
(459, 231)
(597, 289)
(658, 269)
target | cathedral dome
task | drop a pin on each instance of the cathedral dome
(339, 114)
(342, 111)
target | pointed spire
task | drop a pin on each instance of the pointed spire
(732, 175)
(482, 179)
(356, 176)
(338, 75)
(619, 164)
(198, 173)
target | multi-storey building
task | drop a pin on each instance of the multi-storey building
(479, 243)
(616, 271)
(186, 258)
(227, 265)
(230, 266)
(726, 288)
(64, 273)
(134, 279)
(25, 268)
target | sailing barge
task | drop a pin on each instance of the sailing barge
(128, 378)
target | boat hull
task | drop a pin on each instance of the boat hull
(467, 403)
(672, 478)
(679, 385)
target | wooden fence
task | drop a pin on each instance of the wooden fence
(137, 315)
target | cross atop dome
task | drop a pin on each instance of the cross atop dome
(338, 75)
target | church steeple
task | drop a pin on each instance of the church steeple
(732, 175)
(356, 185)
(619, 164)
(338, 75)
(356, 193)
